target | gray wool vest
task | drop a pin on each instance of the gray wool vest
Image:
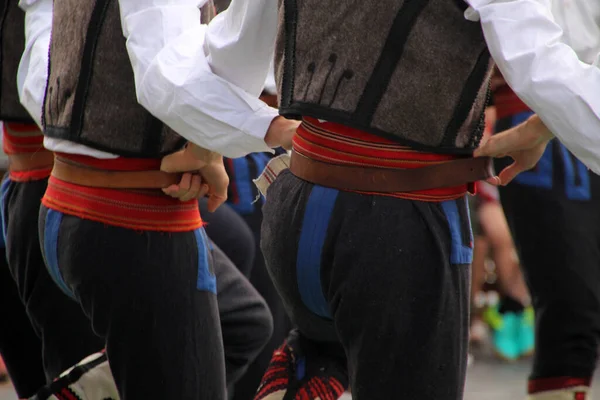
(414, 71)
(12, 44)
(221, 5)
(90, 96)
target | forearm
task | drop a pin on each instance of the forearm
(186, 74)
(544, 72)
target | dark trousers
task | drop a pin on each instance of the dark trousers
(60, 323)
(20, 347)
(385, 277)
(554, 215)
(152, 296)
(231, 234)
(243, 196)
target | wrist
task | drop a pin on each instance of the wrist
(535, 124)
(273, 135)
(280, 132)
(204, 156)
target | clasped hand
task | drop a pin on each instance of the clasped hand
(203, 175)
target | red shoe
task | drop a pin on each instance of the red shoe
(298, 372)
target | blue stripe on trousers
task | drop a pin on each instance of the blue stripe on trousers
(3, 193)
(310, 247)
(459, 252)
(206, 281)
(51, 229)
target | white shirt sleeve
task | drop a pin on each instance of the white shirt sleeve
(32, 74)
(525, 42)
(204, 80)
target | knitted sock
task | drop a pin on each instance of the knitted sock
(561, 388)
(91, 379)
(298, 372)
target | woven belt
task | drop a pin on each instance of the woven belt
(21, 162)
(388, 180)
(77, 174)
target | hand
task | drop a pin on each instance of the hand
(216, 177)
(190, 187)
(205, 164)
(525, 144)
(281, 132)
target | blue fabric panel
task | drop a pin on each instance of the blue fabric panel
(572, 165)
(53, 220)
(308, 263)
(459, 252)
(206, 281)
(3, 193)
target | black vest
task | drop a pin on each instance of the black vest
(414, 71)
(90, 96)
(12, 44)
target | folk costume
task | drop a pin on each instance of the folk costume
(64, 330)
(147, 276)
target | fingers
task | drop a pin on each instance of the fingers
(194, 189)
(497, 146)
(218, 193)
(215, 201)
(509, 173)
(190, 187)
(494, 180)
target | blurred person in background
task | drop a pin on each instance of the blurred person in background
(506, 308)
(554, 213)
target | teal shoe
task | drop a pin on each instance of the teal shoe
(505, 328)
(526, 335)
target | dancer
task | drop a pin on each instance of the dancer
(65, 333)
(130, 283)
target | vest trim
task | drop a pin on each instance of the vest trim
(468, 97)
(388, 60)
(300, 109)
(287, 86)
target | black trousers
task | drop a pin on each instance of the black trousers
(152, 296)
(233, 236)
(243, 196)
(554, 215)
(59, 322)
(385, 277)
(20, 347)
